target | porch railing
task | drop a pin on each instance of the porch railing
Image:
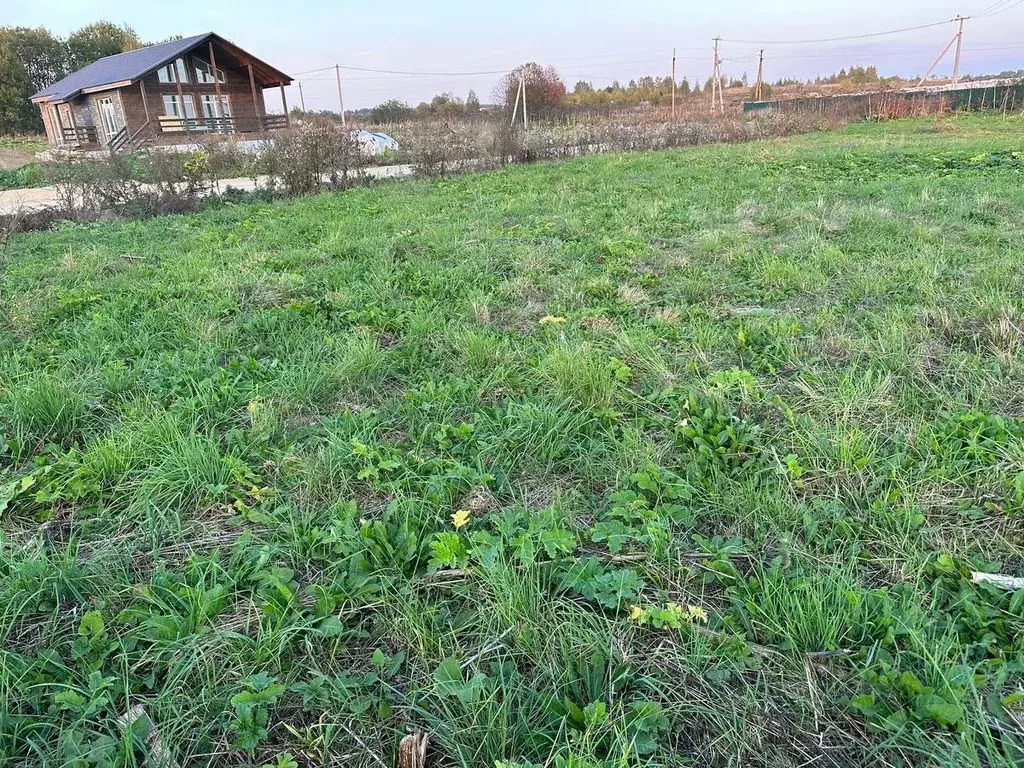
(171, 124)
(274, 122)
(118, 140)
(84, 134)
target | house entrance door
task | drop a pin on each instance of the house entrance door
(110, 120)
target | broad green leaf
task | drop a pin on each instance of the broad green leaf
(69, 699)
(91, 625)
(448, 677)
(330, 627)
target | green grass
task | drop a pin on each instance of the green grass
(774, 385)
(28, 175)
(25, 143)
(22, 178)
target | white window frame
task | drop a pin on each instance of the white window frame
(175, 72)
(204, 71)
(171, 102)
(213, 107)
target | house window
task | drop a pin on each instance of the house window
(174, 107)
(204, 72)
(214, 107)
(173, 73)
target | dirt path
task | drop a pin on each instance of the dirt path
(14, 158)
(15, 200)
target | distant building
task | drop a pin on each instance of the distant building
(162, 94)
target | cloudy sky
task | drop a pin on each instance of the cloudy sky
(595, 40)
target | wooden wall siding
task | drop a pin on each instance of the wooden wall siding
(129, 101)
(236, 89)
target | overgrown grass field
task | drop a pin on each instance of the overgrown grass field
(682, 458)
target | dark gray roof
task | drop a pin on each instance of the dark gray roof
(130, 66)
(122, 66)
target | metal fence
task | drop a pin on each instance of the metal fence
(1001, 98)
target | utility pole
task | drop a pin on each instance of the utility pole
(721, 87)
(716, 81)
(673, 83)
(760, 74)
(341, 99)
(520, 97)
(526, 124)
(959, 48)
(515, 109)
(958, 39)
(302, 99)
(714, 76)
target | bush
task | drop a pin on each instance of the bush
(316, 153)
(177, 174)
(20, 178)
(86, 184)
(436, 148)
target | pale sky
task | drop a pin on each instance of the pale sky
(594, 40)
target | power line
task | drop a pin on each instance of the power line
(991, 7)
(999, 7)
(432, 74)
(994, 5)
(310, 71)
(995, 10)
(847, 37)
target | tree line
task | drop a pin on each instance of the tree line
(546, 93)
(33, 58)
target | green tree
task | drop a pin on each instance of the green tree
(684, 87)
(102, 38)
(472, 102)
(43, 56)
(30, 60)
(391, 111)
(446, 105)
(14, 85)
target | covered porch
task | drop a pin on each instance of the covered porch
(214, 88)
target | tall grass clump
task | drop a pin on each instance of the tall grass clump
(43, 408)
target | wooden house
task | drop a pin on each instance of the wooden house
(162, 94)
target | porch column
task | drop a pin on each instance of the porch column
(181, 96)
(284, 103)
(58, 126)
(145, 103)
(255, 101)
(216, 85)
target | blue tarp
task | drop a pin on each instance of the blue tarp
(375, 143)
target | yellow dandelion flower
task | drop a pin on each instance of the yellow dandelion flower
(697, 613)
(461, 518)
(552, 320)
(637, 613)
